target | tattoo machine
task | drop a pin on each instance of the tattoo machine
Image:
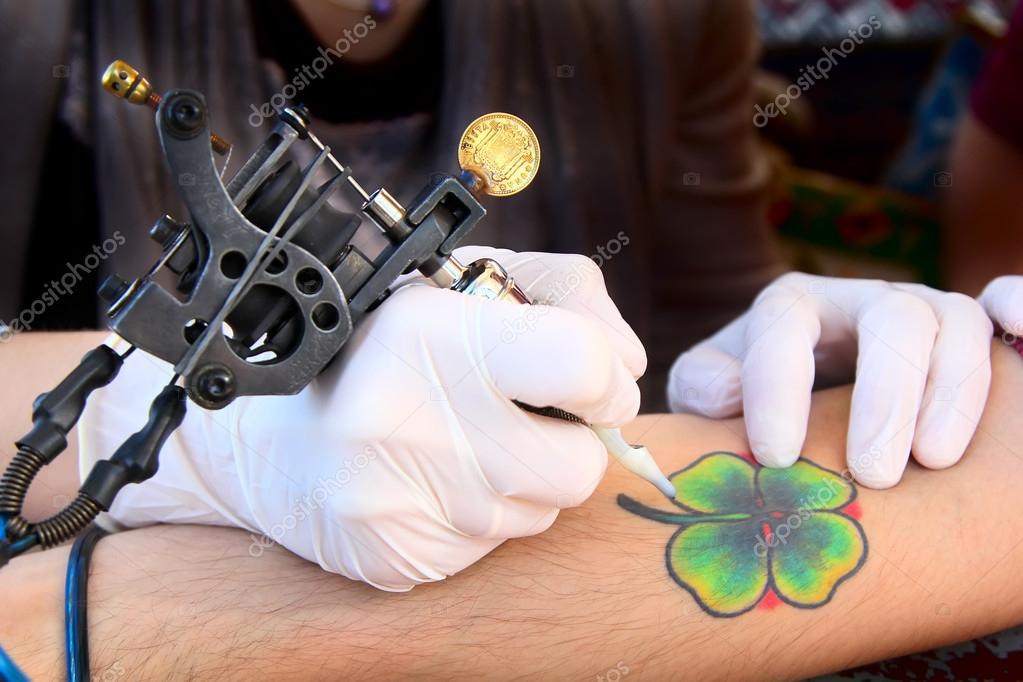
(263, 286)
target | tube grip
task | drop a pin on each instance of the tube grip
(56, 412)
(486, 278)
(138, 457)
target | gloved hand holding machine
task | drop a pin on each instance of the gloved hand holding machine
(265, 288)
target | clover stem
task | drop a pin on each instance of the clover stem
(681, 519)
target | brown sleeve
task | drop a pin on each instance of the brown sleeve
(712, 248)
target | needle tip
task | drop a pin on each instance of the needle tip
(666, 488)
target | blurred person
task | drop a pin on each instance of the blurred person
(650, 163)
(983, 219)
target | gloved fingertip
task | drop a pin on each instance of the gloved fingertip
(773, 456)
(622, 407)
(608, 395)
(877, 481)
(939, 449)
(945, 429)
(938, 463)
(880, 473)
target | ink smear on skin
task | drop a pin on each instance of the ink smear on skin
(753, 537)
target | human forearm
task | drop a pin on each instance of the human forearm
(586, 597)
(29, 365)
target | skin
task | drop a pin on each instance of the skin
(590, 595)
(982, 217)
(328, 21)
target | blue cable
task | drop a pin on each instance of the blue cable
(76, 632)
(9, 671)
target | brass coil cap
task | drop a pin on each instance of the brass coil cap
(123, 80)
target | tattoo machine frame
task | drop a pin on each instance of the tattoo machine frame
(254, 296)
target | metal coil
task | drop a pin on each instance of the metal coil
(67, 523)
(553, 412)
(16, 480)
(17, 526)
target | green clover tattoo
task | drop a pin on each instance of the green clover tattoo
(749, 532)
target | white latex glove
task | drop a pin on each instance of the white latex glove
(920, 358)
(406, 461)
(1002, 299)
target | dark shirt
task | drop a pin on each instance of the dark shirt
(407, 81)
(643, 112)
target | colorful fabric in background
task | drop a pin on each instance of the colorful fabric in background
(995, 657)
(787, 23)
(921, 167)
(840, 228)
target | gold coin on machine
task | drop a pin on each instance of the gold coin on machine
(502, 150)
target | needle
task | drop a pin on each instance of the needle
(635, 458)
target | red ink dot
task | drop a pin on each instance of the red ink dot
(777, 514)
(767, 532)
(853, 510)
(769, 600)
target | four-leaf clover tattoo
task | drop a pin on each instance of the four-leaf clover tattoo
(748, 533)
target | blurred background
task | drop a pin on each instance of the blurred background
(696, 149)
(863, 159)
(725, 141)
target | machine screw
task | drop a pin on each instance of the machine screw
(165, 230)
(216, 384)
(184, 115)
(112, 288)
(298, 118)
